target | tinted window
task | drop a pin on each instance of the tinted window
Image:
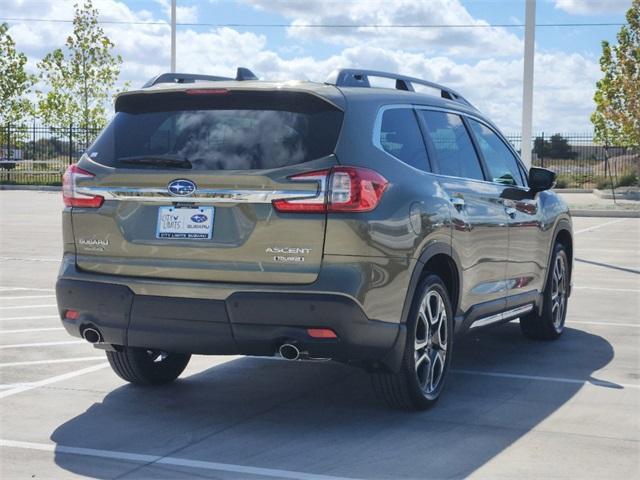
(400, 136)
(503, 166)
(228, 131)
(451, 145)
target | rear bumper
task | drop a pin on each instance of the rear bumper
(248, 323)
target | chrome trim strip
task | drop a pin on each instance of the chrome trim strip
(509, 314)
(219, 195)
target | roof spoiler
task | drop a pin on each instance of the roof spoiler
(350, 77)
(241, 74)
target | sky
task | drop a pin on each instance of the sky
(482, 60)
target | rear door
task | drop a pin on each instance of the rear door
(189, 180)
(479, 234)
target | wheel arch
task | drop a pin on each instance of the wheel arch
(563, 233)
(438, 258)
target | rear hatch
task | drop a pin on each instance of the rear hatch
(189, 179)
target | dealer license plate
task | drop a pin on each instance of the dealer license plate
(187, 223)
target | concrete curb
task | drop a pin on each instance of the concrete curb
(606, 213)
(621, 195)
(573, 190)
(42, 188)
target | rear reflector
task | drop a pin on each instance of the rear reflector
(340, 189)
(321, 333)
(71, 314)
(70, 196)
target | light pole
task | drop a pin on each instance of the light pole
(527, 84)
(173, 36)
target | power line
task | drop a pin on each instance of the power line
(287, 25)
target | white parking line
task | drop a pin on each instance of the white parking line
(32, 330)
(42, 344)
(32, 259)
(13, 385)
(48, 381)
(19, 307)
(173, 461)
(26, 297)
(595, 227)
(47, 362)
(25, 289)
(606, 324)
(586, 381)
(605, 289)
(38, 317)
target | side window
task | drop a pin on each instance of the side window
(502, 165)
(400, 136)
(451, 144)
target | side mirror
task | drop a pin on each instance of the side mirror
(541, 179)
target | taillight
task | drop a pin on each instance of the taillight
(317, 204)
(355, 189)
(70, 194)
(341, 189)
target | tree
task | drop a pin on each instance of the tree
(82, 78)
(559, 147)
(15, 82)
(541, 147)
(556, 147)
(617, 115)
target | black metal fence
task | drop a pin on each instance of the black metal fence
(38, 155)
(582, 163)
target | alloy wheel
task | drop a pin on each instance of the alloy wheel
(558, 292)
(431, 339)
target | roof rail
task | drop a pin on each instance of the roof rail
(242, 74)
(351, 77)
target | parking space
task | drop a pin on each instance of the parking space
(512, 408)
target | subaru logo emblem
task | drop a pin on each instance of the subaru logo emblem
(181, 188)
(199, 218)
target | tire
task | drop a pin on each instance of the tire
(414, 388)
(147, 367)
(550, 324)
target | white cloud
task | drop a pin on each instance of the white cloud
(564, 83)
(184, 14)
(593, 7)
(481, 40)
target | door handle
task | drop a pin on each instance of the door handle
(458, 202)
(509, 208)
(510, 211)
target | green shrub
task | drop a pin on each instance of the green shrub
(562, 181)
(628, 180)
(602, 183)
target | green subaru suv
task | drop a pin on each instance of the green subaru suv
(306, 220)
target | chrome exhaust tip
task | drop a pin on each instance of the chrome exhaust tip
(289, 351)
(91, 335)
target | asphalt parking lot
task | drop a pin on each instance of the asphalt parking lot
(513, 408)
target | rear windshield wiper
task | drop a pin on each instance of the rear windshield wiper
(156, 161)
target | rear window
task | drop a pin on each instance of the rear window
(226, 131)
(400, 136)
